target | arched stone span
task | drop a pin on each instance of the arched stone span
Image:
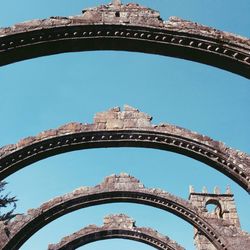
(121, 188)
(125, 27)
(116, 226)
(128, 128)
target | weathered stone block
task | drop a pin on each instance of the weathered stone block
(114, 124)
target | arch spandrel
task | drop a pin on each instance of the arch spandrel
(116, 226)
(115, 188)
(128, 128)
(134, 28)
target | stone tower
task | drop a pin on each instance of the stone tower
(223, 216)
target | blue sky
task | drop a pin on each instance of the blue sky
(47, 92)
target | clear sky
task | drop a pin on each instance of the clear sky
(47, 92)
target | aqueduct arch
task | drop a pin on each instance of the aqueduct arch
(127, 27)
(121, 188)
(128, 128)
(116, 226)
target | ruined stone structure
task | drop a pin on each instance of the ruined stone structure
(122, 188)
(128, 128)
(133, 28)
(224, 216)
(116, 226)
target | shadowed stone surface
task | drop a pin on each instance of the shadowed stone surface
(127, 128)
(129, 27)
(116, 226)
(115, 188)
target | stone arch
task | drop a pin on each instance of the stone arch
(218, 207)
(116, 226)
(128, 128)
(140, 29)
(121, 188)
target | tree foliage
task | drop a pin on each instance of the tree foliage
(5, 202)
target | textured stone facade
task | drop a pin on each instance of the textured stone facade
(130, 13)
(117, 119)
(113, 227)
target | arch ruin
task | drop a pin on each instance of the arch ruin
(129, 27)
(132, 28)
(128, 128)
(116, 226)
(121, 188)
(225, 218)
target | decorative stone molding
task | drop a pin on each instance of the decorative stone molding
(135, 28)
(115, 188)
(116, 128)
(128, 128)
(116, 226)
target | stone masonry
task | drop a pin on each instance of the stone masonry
(129, 118)
(233, 161)
(224, 218)
(128, 27)
(220, 229)
(118, 224)
(117, 119)
(131, 13)
(124, 183)
(217, 229)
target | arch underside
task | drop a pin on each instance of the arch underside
(32, 43)
(227, 163)
(55, 209)
(116, 234)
